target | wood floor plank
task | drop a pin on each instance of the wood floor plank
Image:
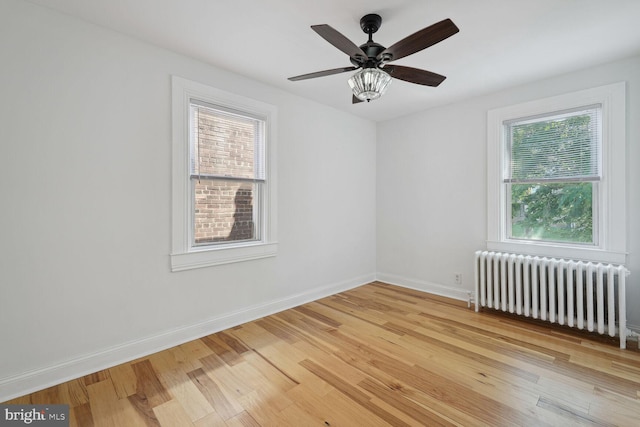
(223, 405)
(143, 407)
(233, 343)
(376, 355)
(308, 311)
(243, 419)
(172, 413)
(295, 416)
(336, 381)
(109, 411)
(286, 358)
(336, 410)
(222, 349)
(81, 416)
(257, 336)
(610, 406)
(195, 350)
(186, 393)
(268, 373)
(407, 406)
(262, 408)
(354, 393)
(148, 386)
(571, 415)
(279, 330)
(214, 420)
(96, 377)
(74, 392)
(173, 358)
(48, 395)
(124, 380)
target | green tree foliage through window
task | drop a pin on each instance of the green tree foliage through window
(553, 212)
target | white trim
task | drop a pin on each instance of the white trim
(218, 256)
(558, 251)
(183, 256)
(424, 286)
(38, 379)
(612, 246)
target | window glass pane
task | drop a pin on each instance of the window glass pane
(555, 147)
(224, 144)
(224, 210)
(559, 212)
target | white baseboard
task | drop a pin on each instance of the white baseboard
(420, 285)
(634, 328)
(38, 379)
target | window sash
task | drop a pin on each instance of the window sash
(595, 236)
(226, 114)
(584, 178)
(566, 150)
(257, 204)
(226, 177)
(226, 118)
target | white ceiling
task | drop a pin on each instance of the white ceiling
(501, 43)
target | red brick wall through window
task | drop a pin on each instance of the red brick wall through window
(224, 147)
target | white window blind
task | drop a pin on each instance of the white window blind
(561, 147)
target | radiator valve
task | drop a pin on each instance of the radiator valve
(470, 299)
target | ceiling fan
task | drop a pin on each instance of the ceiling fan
(372, 58)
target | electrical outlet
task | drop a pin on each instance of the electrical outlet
(458, 278)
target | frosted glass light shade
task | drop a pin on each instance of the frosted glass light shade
(369, 83)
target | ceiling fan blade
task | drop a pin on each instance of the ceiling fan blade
(322, 73)
(355, 99)
(414, 75)
(341, 42)
(420, 40)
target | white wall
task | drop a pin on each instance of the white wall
(85, 190)
(432, 190)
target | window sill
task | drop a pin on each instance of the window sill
(558, 251)
(224, 255)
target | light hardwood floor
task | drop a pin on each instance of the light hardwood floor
(377, 355)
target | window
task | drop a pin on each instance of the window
(226, 173)
(223, 180)
(556, 170)
(551, 173)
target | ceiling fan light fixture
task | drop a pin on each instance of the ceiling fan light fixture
(369, 83)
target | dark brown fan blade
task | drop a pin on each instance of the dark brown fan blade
(420, 40)
(322, 73)
(340, 41)
(355, 99)
(414, 75)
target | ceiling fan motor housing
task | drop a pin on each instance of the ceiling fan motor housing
(372, 49)
(370, 24)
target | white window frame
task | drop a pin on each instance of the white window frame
(185, 255)
(611, 205)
